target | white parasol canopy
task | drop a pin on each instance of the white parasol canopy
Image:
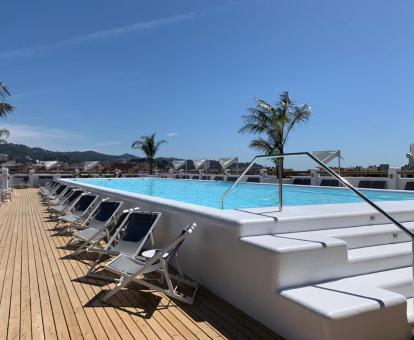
(178, 164)
(228, 161)
(89, 165)
(50, 164)
(199, 163)
(326, 156)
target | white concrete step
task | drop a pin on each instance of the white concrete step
(377, 296)
(304, 259)
(356, 237)
(379, 258)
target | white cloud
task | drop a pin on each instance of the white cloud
(24, 94)
(40, 136)
(98, 35)
(19, 131)
(172, 134)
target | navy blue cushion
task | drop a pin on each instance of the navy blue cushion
(138, 226)
(106, 210)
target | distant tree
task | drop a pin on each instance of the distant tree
(4, 133)
(5, 108)
(149, 146)
(273, 123)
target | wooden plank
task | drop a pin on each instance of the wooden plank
(25, 310)
(35, 303)
(5, 300)
(14, 316)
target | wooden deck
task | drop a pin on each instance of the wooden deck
(45, 296)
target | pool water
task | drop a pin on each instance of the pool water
(245, 195)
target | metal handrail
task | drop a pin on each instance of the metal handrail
(327, 169)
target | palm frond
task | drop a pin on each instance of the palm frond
(264, 105)
(5, 108)
(262, 145)
(4, 133)
(4, 92)
(284, 99)
(299, 114)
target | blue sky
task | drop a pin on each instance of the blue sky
(99, 74)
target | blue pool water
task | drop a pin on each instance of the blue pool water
(245, 195)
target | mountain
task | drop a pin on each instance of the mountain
(21, 151)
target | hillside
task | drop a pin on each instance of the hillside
(19, 150)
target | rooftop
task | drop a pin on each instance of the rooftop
(44, 295)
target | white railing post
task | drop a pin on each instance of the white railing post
(31, 178)
(393, 178)
(314, 176)
(5, 178)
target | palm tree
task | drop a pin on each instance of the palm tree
(5, 108)
(4, 133)
(273, 124)
(149, 147)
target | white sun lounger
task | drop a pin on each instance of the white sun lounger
(63, 197)
(67, 204)
(97, 225)
(48, 188)
(134, 270)
(56, 193)
(79, 211)
(130, 237)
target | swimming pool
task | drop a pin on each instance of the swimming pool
(245, 195)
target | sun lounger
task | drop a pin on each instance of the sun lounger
(365, 184)
(301, 181)
(133, 270)
(329, 183)
(378, 184)
(62, 198)
(49, 185)
(5, 194)
(66, 205)
(409, 186)
(51, 189)
(130, 237)
(79, 211)
(59, 190)
(97, 225)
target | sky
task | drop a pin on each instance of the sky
(97, 75)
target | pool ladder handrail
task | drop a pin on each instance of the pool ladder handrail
(327, 169)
